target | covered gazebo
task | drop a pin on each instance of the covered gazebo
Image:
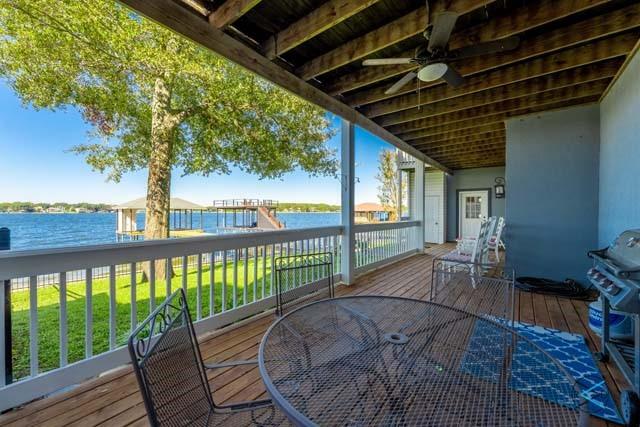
(180, 219)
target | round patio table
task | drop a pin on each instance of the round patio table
(373, 360)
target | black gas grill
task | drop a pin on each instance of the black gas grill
(616, 274)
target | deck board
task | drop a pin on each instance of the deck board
(114, 400)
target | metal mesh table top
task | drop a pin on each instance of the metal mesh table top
(373, 360)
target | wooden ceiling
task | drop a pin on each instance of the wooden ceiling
(569, 52)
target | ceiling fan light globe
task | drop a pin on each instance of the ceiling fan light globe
(432, 72)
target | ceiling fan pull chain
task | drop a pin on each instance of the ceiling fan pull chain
(419, 102)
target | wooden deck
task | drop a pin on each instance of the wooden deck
(114, 400)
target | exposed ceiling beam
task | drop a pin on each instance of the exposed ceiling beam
(475, 165)
(477, 130)
(389, 34)
(550, 82)
(488, 144)
(608, 48)
(177, 18)
(486, 155)
(230, 11)
(324, 17)
(471, 124)
(530, 101)
(477, 137)
(475, 160)
(587, 30)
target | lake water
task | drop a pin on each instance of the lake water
(37, 231)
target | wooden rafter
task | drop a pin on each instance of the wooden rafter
(324, 17)
(174, 16)
(559, 80)
(583, 31)
(487, 144)
(469, 139)
(230, 11)
(472, 123)
(479, 113)
(461, 133)
(396, 31)
(617, 46)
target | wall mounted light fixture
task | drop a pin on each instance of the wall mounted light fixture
(499, 188)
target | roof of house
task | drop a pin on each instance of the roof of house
(370, 207)
(175, 203)
(567, 54)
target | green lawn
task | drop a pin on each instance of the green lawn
(49, 311)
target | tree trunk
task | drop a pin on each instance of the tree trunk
(159, 179)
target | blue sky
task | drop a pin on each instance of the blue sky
(36, 166)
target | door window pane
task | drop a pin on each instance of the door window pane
(472, 207)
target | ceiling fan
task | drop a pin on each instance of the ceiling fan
(433, 59)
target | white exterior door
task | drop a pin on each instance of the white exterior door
(432, 226)
(474, 206)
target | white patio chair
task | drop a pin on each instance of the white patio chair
(466, 245)
(477, 257)
(495, 241)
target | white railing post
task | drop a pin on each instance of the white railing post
(418, 198)
(347, 253)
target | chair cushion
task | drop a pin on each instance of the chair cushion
(455, 256)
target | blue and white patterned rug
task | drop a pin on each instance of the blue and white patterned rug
(532, 375)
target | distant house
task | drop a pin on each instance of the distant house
(371, 212)
(55, 209)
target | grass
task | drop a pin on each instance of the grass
(49, 310)
(48, 303)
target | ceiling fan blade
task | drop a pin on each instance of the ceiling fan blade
(496, 46)
(452, 77)
(441, 31)
(387, 61)
(400, 83)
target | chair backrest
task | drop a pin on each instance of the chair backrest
(499, 228)
(295, 271)
(493, 224)
(479, 249)
(168, 365)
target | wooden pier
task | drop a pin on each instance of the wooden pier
(247, 214)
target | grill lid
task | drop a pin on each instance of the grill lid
(625, 250)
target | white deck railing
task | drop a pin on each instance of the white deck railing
(76, 326)
(380, 243)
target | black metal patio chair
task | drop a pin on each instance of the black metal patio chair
(295, 271)
(172, 376)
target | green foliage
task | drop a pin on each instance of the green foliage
(307, 207)
(67, 207)
(388, 179)
(130, 77)
(49, 311)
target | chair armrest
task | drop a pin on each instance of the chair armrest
(230, 364)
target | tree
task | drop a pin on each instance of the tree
(154, 99)
(388, 182)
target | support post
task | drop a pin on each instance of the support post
(348, 188)
(418, 187)
(398, 186)
(6, 372)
